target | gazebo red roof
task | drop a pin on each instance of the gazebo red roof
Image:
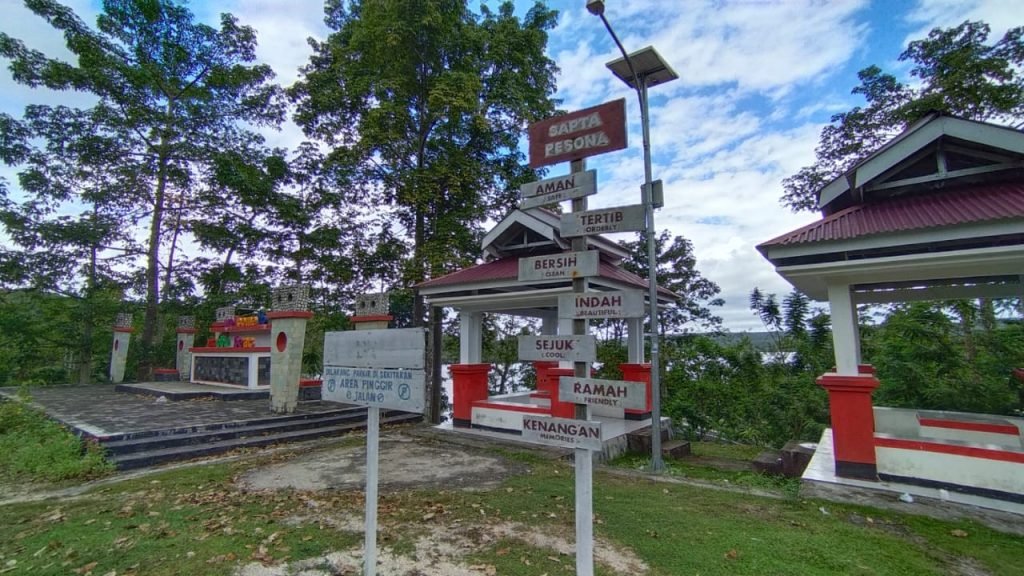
(968, 205)
(508, 269)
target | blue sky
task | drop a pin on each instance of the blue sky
(758, 81)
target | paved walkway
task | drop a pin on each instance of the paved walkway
(100, 411)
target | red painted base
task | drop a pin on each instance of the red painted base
(469, 385)
(853, 423)
(638, 373)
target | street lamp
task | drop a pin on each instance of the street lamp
(639, 71)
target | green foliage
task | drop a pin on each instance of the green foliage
(35, 448)
(954, 70)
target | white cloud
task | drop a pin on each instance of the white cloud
(928, 14)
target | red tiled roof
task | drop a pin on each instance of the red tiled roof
(961, 206)
(508, 269)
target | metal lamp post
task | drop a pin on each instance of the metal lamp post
(639, 71)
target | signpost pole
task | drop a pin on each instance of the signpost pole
(584, 458)
(372, 461)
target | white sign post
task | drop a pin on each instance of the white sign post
(575, 348)
(554, 190)
(566, 265)
(377, 369)
(612, 304)
(605, 221)
(592, 392)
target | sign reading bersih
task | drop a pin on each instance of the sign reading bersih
(605, 221)
(566, 265)
(554, 190)
(579, 134)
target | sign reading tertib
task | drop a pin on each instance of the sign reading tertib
(562, 432)
(579, 134)
(554, 190)
(565, 265)
(606, 221)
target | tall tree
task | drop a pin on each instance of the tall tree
(169, 91)
(955, 71)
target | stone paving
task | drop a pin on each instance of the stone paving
(100, 411)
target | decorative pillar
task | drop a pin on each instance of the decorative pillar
(560, 409)
(119, 352)
(849, 392)
(372, 312)
(183, 353)
(469, 385)
(288, 317)
(638, 373)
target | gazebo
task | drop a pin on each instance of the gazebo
(492, 287)
(937, 213)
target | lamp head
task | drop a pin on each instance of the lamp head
(595, 7)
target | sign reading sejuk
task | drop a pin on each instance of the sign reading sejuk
(579, 134)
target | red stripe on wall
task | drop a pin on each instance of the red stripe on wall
(969, 451)
(972, 426)
(513, 407)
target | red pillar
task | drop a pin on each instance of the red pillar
(469, 384)
(638, 373)
(560, 409)
(853, 423)
(544, 381)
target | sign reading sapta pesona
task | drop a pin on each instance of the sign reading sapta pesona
(614, 304)
(566, 265)
(612, 393)
(554, 190)
(605, 221)
(575, 348)
(579, 134)
(562, 432)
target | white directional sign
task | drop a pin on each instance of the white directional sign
(578, 348)
(400, 348)
(397, 389)
(604, 221)
(616, 304)
(612, 393)
(562, 432)
(567, 265)
(554, 190)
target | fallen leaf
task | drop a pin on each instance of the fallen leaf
(732, 554)
(87, 568)
(503, 551)
(959, 533)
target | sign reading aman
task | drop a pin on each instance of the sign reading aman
(567, 265)
(554, 190)
(562, 432)
(579, 134)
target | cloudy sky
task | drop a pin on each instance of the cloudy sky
(758, 81)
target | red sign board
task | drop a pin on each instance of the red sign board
(579, 134)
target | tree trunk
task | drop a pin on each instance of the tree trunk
(85, 350)
(148, 338)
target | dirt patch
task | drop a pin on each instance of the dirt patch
(439, 550)
(405, 462)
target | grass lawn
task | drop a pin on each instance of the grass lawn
(200, 521)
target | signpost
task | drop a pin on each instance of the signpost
(554, 190)
(565, 265)
(574, 348)
(562, 432)
(579, 134)
(606, 221)
(377, 369)
(613, 304)
(611, 393)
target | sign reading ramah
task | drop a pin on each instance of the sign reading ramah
(612, 393)
(615, 304)
(566, 265)
(562, 432)
(554, 190)
(605, 221)
(579, 134)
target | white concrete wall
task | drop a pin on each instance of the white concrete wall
(952, 469)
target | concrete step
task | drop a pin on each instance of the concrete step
(676, 449)
(639, 441)
(143, 459)
(249, 428)
(768, 462)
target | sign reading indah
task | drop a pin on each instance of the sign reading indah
(616, 304)
(562, 432)
(554, 190)
(605, 221)
(566, 265)
(577, 348)
(579, 134)
(613, 393)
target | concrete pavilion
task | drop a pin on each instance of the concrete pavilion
(493, 287)
(937, 213)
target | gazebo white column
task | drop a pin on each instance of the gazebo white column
(849, 392)
(469, 376)
(635, 369)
